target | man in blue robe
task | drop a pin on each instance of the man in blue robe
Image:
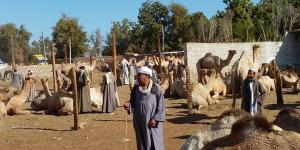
(147, 103)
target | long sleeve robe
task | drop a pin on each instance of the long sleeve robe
(147, 106)
(83, 89)
(109, 88)
(253, 96)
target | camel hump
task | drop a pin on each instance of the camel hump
(208, 54)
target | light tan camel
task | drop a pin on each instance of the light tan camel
(219, 87)
(7, 92)
(267, 83)
(239, 72)
(14, 105)
(3, 111)
(210, 61)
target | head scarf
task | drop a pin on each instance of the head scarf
(145, 70)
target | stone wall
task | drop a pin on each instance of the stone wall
(195, 51)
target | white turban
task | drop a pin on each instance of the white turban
(252, 69)
(145, 70)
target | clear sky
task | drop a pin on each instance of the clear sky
(41, 15)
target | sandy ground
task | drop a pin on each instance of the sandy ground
(107, 132)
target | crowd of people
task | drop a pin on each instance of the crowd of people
(146, 102)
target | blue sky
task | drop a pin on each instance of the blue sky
(41, 15)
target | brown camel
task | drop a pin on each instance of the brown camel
(256, 133)
(14, 105)
(288, 119)
(57, 103)
(210, 61)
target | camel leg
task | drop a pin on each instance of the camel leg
(216, 95)
(21, 112)
(224, 92)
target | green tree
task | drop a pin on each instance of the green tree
(20, 42)
(179, 26)
(67, 29)
(122, 36)
(242, 22)
(151, 17)
(96, 41)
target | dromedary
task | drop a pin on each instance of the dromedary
(256, 133)
(220, 128)
(7, 92)
(239, 72)
(3, 111)
(288, 119)
(56, 102)
(210, 61)
(14, 105)
(267, 83)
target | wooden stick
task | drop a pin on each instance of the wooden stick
(113, 43)
(159, 53)
(189, 89)
(278, 84)
(75, 111)
(53, 68)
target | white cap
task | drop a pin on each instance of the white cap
(145, 70)
(252, 69)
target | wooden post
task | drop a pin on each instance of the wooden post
(53, 68)
(13, 60)
(113, 43)
(278, 84)
(75, 109)
(91, 73)
(159, 53)
(65, 54)
(189, 89)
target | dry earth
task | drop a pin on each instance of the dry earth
(107, 132)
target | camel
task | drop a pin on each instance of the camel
(3, 111)
(56, 102)
(219, 86)
(7, 92)
(239, 72)
(296, 86)
(288, 119)
(14, 105)
(256, 133)
(210, 61)
(96, 98)
(165, 85)
(267, 83)
(220, 128)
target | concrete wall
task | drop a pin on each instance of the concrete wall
(195, 51)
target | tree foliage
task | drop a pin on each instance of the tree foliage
(68, 29)
(16, 38)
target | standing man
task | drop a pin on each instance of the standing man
(154, 77)
(253, 94)
(147, 103)
(16, 80)
(83, 89)
(109, 90)
(180, 71)
(126, 74)
(32, 90)
(132, 73)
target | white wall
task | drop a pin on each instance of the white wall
(195, 51)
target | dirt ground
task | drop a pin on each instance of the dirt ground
(107, 132)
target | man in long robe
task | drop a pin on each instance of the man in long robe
(32, 89)
(109, 90)
(132, 74)
(126, 74)
(83, 89)
(16, 80)
(147, 103)
(253, 94)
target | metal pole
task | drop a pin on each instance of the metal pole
(75, 109)
(53, 67)
(70, 50)
(44, 48)
(114, 54)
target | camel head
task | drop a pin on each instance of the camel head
(232, 52)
